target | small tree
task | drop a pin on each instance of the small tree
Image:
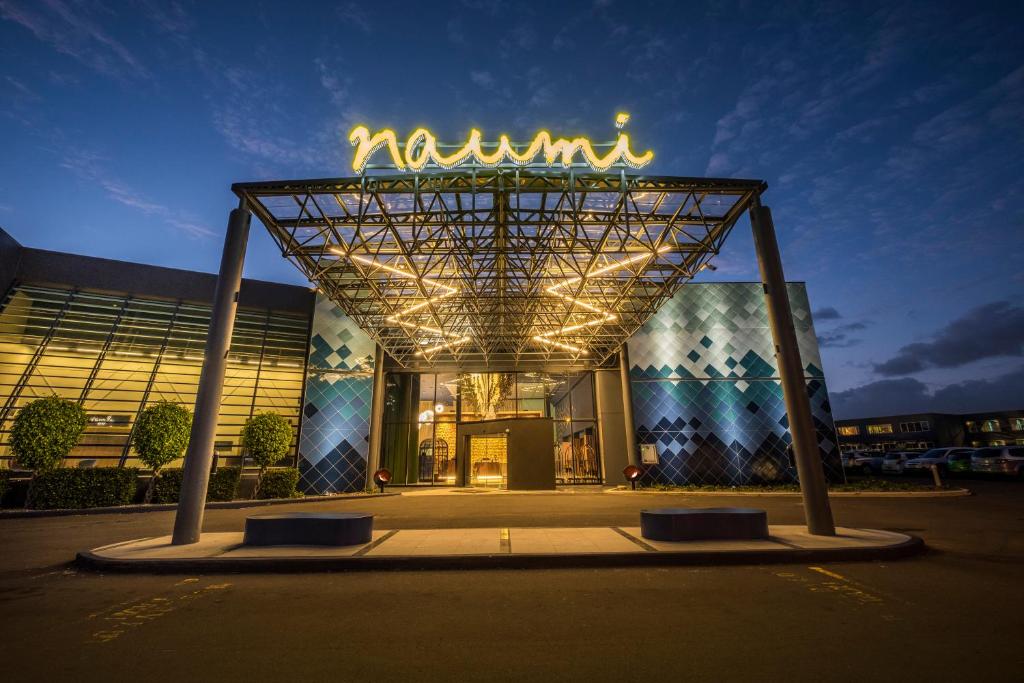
(266, 437)
(45, 431)
(161, 436)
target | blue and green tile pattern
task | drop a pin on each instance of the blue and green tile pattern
(706, 388)
(335, 434)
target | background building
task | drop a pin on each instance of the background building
(117, 336)
(932, 430)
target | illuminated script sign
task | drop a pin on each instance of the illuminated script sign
(421, 148)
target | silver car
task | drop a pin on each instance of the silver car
(894, 460)
(868, 462)
(999, 460)
(935, 456)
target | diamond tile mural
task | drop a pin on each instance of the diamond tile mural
(706, 388)
(335, 434)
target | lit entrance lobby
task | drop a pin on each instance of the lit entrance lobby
(520, 430)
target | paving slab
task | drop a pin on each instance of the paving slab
(481, 548)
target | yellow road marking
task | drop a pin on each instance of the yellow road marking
(834, 575)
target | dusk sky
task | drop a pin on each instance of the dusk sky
(890, 136)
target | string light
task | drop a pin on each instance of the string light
(421, 149)
(545, 337)
(396, 318)
(446, 345)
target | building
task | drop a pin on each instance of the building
(500, 351)
(932, 430)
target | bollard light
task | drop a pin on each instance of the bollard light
(632, 473)
(382, 477)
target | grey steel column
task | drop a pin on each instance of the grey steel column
(633, 455)
(813, 488)
(192, 504)
(376, 415)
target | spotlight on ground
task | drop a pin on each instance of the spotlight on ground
(632, 473)
(382, 477)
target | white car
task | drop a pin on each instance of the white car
(935, 456)
(894, 461)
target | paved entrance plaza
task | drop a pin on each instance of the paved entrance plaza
(953, 611)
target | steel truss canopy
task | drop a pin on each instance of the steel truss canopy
(500, 269)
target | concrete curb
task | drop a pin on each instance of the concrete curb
(298, 564)
(165, 507)
(949, 493)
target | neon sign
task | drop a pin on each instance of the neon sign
(421, 148)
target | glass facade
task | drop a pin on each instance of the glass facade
(422, 411)
(117, 354)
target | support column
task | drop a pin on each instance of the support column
(817, 512)
(376, 416)
(188, 523)
(632, 453)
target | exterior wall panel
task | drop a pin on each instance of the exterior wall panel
(335, 436)
(706, 388)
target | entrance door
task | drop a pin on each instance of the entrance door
(488, 461)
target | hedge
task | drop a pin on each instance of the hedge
(279, 483)
(69, 488)
(223, 485)
(5, 481)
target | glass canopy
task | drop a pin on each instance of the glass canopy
(500, 269)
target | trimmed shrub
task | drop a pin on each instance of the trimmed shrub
(161, 436)
(44, 432)
(279, 483)
(223, 484)
(77, 489)
(266, 437)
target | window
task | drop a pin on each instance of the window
(990, 426)
(880, 429)
(971, 426)
(920, 426)
(117, 354)
(1017, 424)
(849, 430)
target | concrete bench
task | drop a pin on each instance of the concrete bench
(309, 528)
(703, 524)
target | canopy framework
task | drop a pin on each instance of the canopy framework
(500, 269)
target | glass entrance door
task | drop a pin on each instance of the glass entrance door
(488, 461)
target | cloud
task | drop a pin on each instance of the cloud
(89, 167)
(70, 30)
(482, 78)
(355, 15)
(839, 338)
(988, 331)
(826, 313)
(909, 395)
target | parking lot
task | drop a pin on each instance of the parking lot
(953, 612)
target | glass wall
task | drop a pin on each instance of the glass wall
(576, 453)
(116, 354)
(421, 412)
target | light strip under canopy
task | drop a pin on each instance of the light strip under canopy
(500, 269)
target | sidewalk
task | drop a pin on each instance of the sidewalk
(495, 548)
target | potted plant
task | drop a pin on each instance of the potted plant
(266, 437)
(44, 432)
(160, 437)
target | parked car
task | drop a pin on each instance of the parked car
(869, 462)
(848, 458)
(959, 462)
(893, 461)
(936, 456)
(999, 460)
